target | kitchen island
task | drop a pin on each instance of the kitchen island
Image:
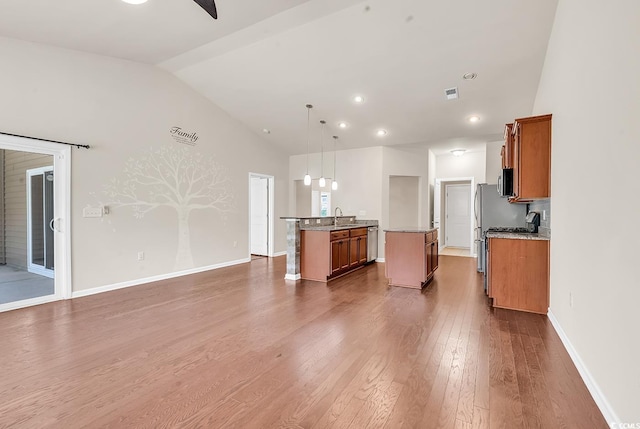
(323, 248)
(411, 256)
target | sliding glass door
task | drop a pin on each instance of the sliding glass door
(40, 228)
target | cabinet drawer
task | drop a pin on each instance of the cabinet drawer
(357, 232)
(337, 235)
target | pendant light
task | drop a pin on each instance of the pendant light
(334, 183)
(322, 182)
(307, 177)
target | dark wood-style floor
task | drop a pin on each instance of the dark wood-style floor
(240, 347)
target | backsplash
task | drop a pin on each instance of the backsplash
(540, 206)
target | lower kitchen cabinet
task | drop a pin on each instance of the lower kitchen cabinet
(328, 254)
(411, 257)
(518, 274)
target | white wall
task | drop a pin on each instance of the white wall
(471, 164)
(494, 162)
(125, 110)
(363, 175)
(399, 161)
(590, 85)
(404, 197)
(431, 177)
(358, 174)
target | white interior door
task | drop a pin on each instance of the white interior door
(458, 215)
(259, 216)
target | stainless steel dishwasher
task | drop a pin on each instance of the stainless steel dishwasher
(372, 243)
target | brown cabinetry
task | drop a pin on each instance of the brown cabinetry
(518, 274)
(507, 149)
(358, 247)
(531, 158)
(328, 254)
(411, 257)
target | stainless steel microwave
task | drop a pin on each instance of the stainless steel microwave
(505, 183)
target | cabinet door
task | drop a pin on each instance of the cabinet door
(434, 256)
(428, 256)
(519, 274)
(344, 254)
(363, 250)
(353, 251)
(335, 256)
(516, 160)
(507, 149)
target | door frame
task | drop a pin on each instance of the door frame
(446, 210)
(31, 267)
(270, 213)
(61, 213)
(443, 182)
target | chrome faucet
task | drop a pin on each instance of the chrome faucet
(335, 216)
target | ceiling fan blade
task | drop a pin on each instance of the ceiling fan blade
(209, 6)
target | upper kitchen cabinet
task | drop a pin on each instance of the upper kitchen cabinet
(531, 158)
(507, 148)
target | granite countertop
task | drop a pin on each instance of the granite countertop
(517, 235)
(360, 224)
(410, 229)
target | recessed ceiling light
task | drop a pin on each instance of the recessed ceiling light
(474, 119)
(266, 131)
(358, 99)
(343, 125)
(381, 132)
(135, 1)
(458, 152)
(469, 76)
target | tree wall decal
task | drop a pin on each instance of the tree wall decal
(176, 177)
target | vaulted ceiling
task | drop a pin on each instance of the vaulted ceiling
(262, 61)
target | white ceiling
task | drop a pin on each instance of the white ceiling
(262, 61)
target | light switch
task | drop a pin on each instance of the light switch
(92, 212)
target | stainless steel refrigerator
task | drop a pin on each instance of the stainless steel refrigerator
(491, 210)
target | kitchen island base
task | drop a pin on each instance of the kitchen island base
(411, 256)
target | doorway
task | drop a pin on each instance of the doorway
(35, 262)
(440, 220)
(261, 194)
(457, 215)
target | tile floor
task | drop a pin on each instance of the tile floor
(17, 284)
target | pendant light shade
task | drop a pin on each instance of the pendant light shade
(307, 177)
(334, 183)
(322, 182)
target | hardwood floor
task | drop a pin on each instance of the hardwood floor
(240, 347)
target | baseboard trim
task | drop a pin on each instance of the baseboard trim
(599, 398)
(292, 276)
(137, 282)
(380, 260)
(283, 253)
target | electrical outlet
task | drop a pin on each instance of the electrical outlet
(318, 221)
(306, 221)
(544, 215)
(140, 256)
(235, 244)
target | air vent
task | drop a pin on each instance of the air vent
(451, 93)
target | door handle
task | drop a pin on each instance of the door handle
(52, 224)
